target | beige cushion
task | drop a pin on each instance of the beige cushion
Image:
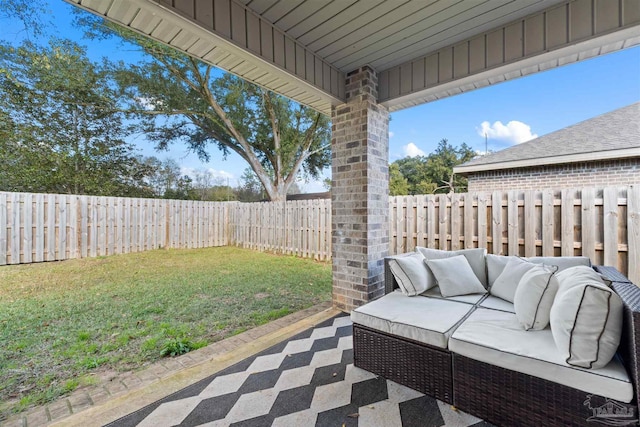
(586, 321)
(506, 283)
(496, 337)
(427, 320)
(455, 276)
(534, 297)
(496, 263)
(411, 274)
(475, 257)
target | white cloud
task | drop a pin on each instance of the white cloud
(391, 134)
(213, 172)
(514, 132)
(412, 150)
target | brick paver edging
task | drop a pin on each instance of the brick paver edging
(115, 386)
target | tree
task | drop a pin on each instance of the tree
(178, 98)
(398, 184)
(165, 180)
(61, 132)
(250, 188)
(30, 13)
(432, 173)
(441, 162)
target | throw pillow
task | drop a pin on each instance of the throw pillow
(505, 285)
(455, 276)
(495, 266)
(475, 258)
(534, 297)
(586, 322)
(411, 274)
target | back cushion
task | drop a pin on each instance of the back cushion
(475, 257)
(496, 263)
(586, 319)
(562, 262)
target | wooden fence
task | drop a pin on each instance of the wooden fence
(53, 227)
(603, 224)
(300, 227)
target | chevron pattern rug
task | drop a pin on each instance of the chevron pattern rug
(308, 380)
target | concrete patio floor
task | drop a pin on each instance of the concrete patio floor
(117, 395)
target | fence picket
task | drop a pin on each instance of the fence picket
(512, 223)
(496, 218)
(51, 227)
(530, 223)
(588, 223)
(483, 231)
(610, 226)
(27, 231)
(442, 224)
(547, 223)
(633, 233)
(455, 222)
(3, 229)
(15, 228)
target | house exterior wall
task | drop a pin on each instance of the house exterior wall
(587, 174)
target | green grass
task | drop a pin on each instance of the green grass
(61, 322)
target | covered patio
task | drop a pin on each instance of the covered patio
(356, 61)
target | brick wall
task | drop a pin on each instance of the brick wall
(586, 174)
(359, 192)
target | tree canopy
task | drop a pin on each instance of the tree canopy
(181, 99)
(60, 128)
(432, 173)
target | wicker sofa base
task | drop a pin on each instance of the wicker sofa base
(510, 398)
(415, 365)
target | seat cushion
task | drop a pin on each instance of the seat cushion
(426, 320)
(496, 303)
(467, 299)
(475, 257)
(496, 337)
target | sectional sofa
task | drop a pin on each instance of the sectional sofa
(569, 356)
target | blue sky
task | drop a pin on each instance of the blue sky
(508, 113)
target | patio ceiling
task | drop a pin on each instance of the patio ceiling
(422, 49)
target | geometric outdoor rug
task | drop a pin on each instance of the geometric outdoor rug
(308, 380)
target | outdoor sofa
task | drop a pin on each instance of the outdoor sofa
(474, 352)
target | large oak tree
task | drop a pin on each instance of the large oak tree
(181, 99)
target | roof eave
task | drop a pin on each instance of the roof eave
(543, 161)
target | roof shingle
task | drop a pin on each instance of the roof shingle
(616, 130)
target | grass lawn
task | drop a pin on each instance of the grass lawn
(60, 322)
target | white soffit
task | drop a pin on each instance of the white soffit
(230, 36)
(423, 50)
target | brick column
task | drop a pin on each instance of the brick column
(359, 192)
